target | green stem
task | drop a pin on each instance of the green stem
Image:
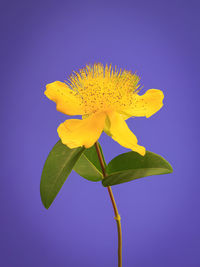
(117, 216)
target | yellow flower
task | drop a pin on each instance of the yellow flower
(105, 97)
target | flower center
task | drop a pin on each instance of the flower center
(102, 89)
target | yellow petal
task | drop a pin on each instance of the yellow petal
(145, 105)
(67, 101)
(120, 132)
(75, 133)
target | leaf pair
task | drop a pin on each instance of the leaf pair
(85, 162)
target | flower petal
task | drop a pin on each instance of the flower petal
(146, 105)
(86, 132)
(67, 101)
(120, 132)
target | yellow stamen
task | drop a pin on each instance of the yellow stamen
(104, 88)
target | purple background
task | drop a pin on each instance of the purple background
(43, 41)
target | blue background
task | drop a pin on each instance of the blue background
(43, 41)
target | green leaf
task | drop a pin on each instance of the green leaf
(57, 167)
(130, 166)
(88, 165)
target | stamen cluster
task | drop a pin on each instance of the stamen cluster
(104, 88)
